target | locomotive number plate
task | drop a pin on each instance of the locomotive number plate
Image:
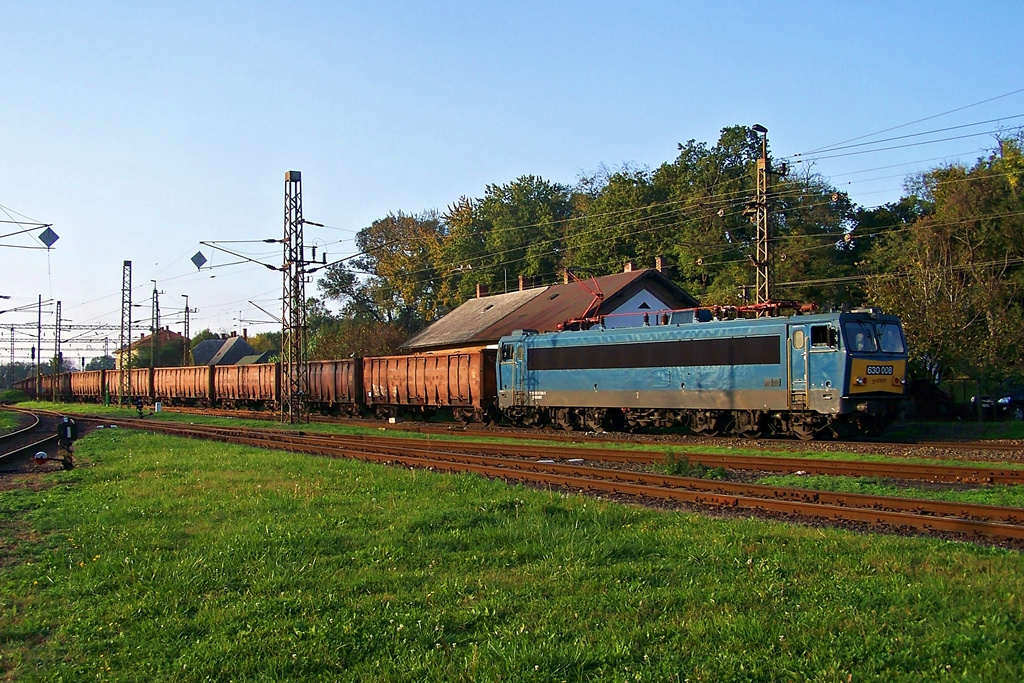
(879, 370)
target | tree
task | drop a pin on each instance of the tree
(346, 338)
(955, 274)
(266, 341)
(203, 336)
(168, 355)
(391, 280)
(101, 363)
(615, 218)
(524, 224)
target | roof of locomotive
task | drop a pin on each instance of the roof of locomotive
(725, 324)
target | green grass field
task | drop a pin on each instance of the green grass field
(9, 421)
(170, 559)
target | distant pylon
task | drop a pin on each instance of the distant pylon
(294, 373)
(124, 374)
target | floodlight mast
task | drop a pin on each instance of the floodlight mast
(294, 373)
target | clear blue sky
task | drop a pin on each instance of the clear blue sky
(140, 129)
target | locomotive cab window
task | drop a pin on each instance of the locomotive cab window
(506, 352)
(823, 337)
(860, 336)
(891, 338)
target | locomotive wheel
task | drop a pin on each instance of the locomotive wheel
(705, 423)
(803, 431)
(563, 418)
(747, 424)
(594, 419)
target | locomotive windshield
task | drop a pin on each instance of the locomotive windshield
(890, 337)
(870, 337)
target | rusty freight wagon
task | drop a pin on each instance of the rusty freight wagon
(189, 385)
(87, 385)
(63, 387)
(462, 380)
(141, 384)
(253, 386)
(335, 386)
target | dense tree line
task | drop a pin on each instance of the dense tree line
(947, 257)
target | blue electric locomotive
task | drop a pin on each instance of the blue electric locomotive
(840, 372)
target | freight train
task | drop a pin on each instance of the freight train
(841, 373)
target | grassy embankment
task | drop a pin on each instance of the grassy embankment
(169, 559)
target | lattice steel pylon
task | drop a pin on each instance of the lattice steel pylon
(294, 372)
(764, 263)
(56, 355)
(124, 374)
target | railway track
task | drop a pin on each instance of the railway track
(966, 447)
(991, 523)
(18, 447)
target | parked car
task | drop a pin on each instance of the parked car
(988, 407)
(1011, 405)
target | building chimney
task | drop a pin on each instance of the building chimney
(233, 334)
(245, 333)
(662, 266)
(629, 267)
(565, 277)
(481, 291)
(522, 282)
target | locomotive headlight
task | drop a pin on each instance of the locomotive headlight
(862, 407)
(899, 381)
(860, 381)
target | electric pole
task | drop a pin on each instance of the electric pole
(39, 347)
(186, 351)
(154, 341)
(294, 373)
(764, 255)
(56, 355)
(124, 389)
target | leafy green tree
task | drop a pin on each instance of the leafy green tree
(9, 374)
(955, 274)
(525, 222)
(203, 336)
(101, 363)
(391, 281)
(266, 341)
(346, 338)
(168, 355)
(616, 216)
